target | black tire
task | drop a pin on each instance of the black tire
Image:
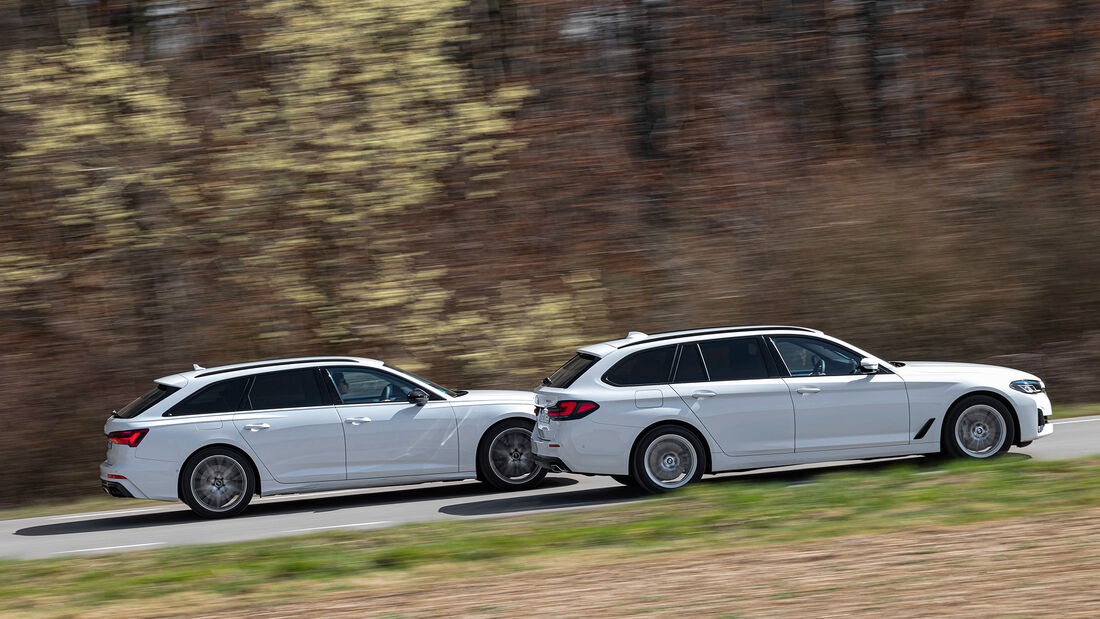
(667, 458)
(217, 482)
(625, 480)
(977, 427)
(504, 458)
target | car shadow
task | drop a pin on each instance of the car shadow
(544, 502)
(594, 497)
(369, 497)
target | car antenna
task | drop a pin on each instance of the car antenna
(197, 367)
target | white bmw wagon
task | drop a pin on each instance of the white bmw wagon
(659, 411)
(215, 437)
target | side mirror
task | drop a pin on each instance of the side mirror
(418, 397)
(868, 365)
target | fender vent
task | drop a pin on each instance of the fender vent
(924, 429)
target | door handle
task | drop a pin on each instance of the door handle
(703, 393)
(356, 420)
(256, 427)
(808, 389)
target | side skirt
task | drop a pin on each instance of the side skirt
(723, 463)
(272, 489)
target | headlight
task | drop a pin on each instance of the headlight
(1028, 386)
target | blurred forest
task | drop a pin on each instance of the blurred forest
(472, 188)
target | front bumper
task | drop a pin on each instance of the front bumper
(1029, 410)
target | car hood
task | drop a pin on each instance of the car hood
(496, 396)
(916, 368)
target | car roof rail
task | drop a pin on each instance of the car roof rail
(671, 335)
(271, 363)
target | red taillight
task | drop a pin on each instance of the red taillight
(110, 476)
(572, 409)
(128, 437)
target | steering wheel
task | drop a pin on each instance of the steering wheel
(819, 366)
(387, 394)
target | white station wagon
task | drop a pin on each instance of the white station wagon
(660, 411)
(214, 437)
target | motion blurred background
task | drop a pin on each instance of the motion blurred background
(471, 188)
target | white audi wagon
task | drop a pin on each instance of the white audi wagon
(659, 411)
(214, 437)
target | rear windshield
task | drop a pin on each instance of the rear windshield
(572, 370)
(142, 404)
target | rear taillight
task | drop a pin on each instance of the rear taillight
(128, 437)
(572, 409)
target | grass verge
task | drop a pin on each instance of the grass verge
(723, 513)
(1076, 410)
(78, 506)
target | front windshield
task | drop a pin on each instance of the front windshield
(450, 392)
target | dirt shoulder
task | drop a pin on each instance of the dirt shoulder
(1020, 567)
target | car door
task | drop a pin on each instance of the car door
(734, 390)
(837, 405)
(292, 427)
(386, 436)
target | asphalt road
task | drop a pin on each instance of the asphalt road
(158, 527)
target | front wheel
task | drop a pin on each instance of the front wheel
(504, 458)
(977, 427)
(217, 483)
(667, 458)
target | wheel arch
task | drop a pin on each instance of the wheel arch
(1014, 417)
(707, 459)
(488, 429)
(230, 446)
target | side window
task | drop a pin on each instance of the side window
(220, 397)
(690, 368)
(806, 356)
(736, 359)
(364, 386)
(648, 367)
(289, 389)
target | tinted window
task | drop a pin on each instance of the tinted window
(807, 356)
(690, 368)
(649, 367)
(220, 397)
(739, 359)
(431, 396)
(572, 370)
(146, 401)
(290, 389)
(361, 386)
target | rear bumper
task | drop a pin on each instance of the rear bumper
(147, 479)
(116, 489)
(582, 446)
(551, 463)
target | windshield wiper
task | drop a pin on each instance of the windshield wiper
(460, 392)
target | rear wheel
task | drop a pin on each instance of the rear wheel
(978, 427)
(504, 458)
(217, 482)
(667, 458)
